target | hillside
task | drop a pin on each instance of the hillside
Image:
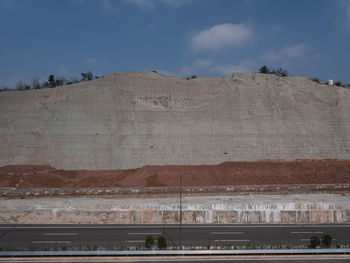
(131, 120)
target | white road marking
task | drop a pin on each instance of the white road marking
(60, 234)
(50, 242)
(305, 239)
(144, 233)
(306, 232)
(130, 241)
(227, 233)
(232, 240)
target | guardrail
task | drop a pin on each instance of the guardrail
(172, 252)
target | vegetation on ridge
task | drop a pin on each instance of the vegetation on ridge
(51, 82)
(279, 71)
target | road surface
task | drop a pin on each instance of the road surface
(91, 237)
(225, 259)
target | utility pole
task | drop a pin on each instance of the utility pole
(180, 190)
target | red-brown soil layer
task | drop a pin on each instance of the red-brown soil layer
(230, 173)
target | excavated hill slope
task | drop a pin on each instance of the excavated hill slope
(129, 120)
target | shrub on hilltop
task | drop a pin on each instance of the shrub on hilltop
(51, 82)
(279, 71)
(338, 83)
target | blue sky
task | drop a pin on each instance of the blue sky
(174, 37)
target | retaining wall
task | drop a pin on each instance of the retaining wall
(306, 208)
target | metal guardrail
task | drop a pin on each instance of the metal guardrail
(172, 252)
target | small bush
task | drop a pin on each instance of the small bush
(326, 240)
(154, 71)
(279, 71)
(315, 241)
(264, 70)
(316, 80)
(149, 242)
(162, 242)
(193, 76)
(338, 83)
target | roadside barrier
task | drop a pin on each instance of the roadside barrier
(173, 252)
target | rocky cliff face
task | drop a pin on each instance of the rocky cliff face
(129, 120)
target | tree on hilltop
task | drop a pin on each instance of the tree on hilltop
(279, 71)
(264, 70)
(87, 76)
(51, 81)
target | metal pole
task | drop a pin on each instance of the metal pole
(180, 209)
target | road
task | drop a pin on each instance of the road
(226, 259)
(122, 236)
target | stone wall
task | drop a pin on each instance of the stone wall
(129, 120)
(241, 209)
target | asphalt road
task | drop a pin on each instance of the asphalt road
(226, 259)
(192, 235)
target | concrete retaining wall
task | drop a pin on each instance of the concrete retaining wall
(307, 208)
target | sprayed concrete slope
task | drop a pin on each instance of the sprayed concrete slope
(129, 120)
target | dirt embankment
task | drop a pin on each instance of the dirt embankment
(230, 173)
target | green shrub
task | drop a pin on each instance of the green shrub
(316, 80)
(161, 242)
(149, 242)
(315, 241)
(338, 83)
(281, 72)
(326, 240)
(193, 76)
(264, 70)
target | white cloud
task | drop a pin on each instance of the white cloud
(286, 54)
(221, 36)
(197, 65)
(245, 66)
